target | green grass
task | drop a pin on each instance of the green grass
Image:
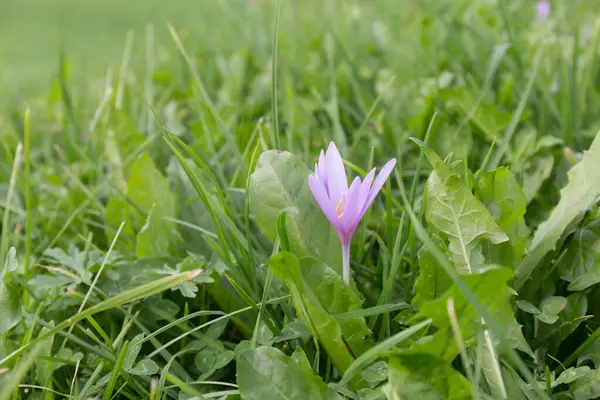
(161, 241)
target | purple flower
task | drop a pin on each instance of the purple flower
(543, 9)
(344, 207)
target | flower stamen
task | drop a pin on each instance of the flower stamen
(337, 208)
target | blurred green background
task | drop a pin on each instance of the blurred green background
(92, 33)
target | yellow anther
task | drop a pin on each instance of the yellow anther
(337, 208)
(341, 215)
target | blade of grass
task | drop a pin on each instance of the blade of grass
(11, 382)
(28, 204)
(211, 106)
(128, 296)
(9, 197)
(274, 83)
(123, 70)
(116, 372)
(514, 122)
(374, 352)
(496, 328)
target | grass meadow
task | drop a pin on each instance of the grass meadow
(165, 234)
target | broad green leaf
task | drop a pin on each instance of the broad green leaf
(299, 357)
(569, 318)
(573, 314)
(537, 170)
(587, 387)
(144, 368)
(151, 238)
(147, 203)
(10, 306)
(501, 193)
(527, 307)
(119, 146)
(267, 373)
(571, 374)
(491, 289)
(592, 354)
(586, 280)
(425, 377)
(212, 358)
(487, 118)
(10, 296)
(375, 373)
(580, 263)
(459, 143)
(490, 366)
(583, 188)
(132, 351)
(319, 294)
(433, 280)
(293, 330)
(11, 263)
(280, 184)
(553, 304)
(547, 318)
(452, 210)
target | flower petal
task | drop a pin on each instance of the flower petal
(352, 208)
(322, 168)
(379, 182)
(365, 188)
(337, 183)
(318, 190)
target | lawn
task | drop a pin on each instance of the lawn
(343, 199)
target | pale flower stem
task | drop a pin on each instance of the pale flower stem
(346, 261)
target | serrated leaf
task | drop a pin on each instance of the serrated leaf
(491, 289)
(452, 210)
(425, 377)
(280, 183)
(267, 373)
(583, 188)
(73, 260)
(187, 288)
(319, 294)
